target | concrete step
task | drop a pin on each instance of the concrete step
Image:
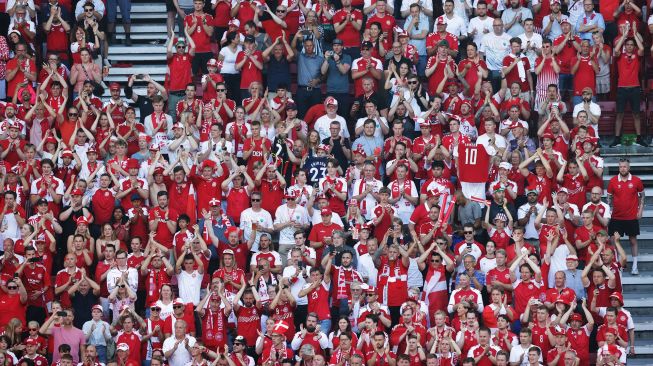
(146, 36)
(139, 50)
(144, 28)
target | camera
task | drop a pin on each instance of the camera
(35, 259)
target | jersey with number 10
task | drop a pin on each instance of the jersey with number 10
(473, 163)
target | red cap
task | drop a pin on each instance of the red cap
(617, 295)
(114, 86)
(178, 301)
(51, 139)
(325, 211)
(576, 317)
(97, 307)
(67, 154)
(323, 147)
(158, 170)
(548, 135)
(82, 220)
(77, 192)
(154, 304)
(10, 105)
(353, 202)
(231, 229)
(214, 202)
(611, 331)
(331, 101)
(31, 342)
(440, 20)
(371, 289)
(291, 194)
(91, 149)
(133, 164)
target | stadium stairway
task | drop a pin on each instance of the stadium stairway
(147, 55)
(638, 290)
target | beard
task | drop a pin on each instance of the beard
(310, 329)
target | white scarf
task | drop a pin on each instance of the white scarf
(520, 68)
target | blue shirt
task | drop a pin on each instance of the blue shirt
(593, 19)
(422, 24)
(336, 81)
(308, 68)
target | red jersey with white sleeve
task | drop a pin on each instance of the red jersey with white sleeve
(249, 322)
(473, 163)
(361, 64)
(518, 73)
(318, 300)
(625, 198)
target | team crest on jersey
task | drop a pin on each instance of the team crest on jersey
(630, 185)
(107, 194)
(214, 184)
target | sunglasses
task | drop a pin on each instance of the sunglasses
(89, 9)
(177, 306)
(220, 90)
(412, 82)
(280, 11)
(155, 309)
(256, 200)
(33, 330)
(73, 114)
(469, 232)
(435, 261)
(13, 287)
(370, 295)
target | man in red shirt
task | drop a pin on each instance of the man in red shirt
(13, 302)
(160, 221)
(249, 62)
(516, 69)
(103, 201)
(20, 70)
(130, 337)
(366, 67)
(179, 71)
(321, 233)
(199, 26)
(347, 23)
(628, 87)
(626, 196)
(386, 20)
(37, 282)
(401, 331)
(565, 47)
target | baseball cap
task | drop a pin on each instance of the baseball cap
(325, 211)
(122, 347)
(563, 190)
(280, 327)
(41, 201)
(67, 154)
(441, 21)
(31, 342)
(353, 202)
(548, 135)
(572, 257)
(505, 165)
(234, 22)
(181, 41)
(331, 101)
(617, 295)
(576, 317)
(178, 301)
(116, 86)
(81, 220)
(97, 307)
(240, 339)
(212, 62)
(291, 105)
(77, 192)
(337, 41)
(133, 164)
(228, 251)
(250, 39)
(501, 216)
(214, 202)
(366, 44)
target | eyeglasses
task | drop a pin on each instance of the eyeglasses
(370, 295)
(88, 9)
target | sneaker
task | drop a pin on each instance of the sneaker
(128, 41)
(641, 142)
(634, 271)
(616, 142)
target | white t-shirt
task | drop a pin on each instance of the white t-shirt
(495, 48)
(181, 356)
(190, 285)
(456, 25)
(323, 124)
(229, 60)
(369, 202)
(499, 141)
(480, 25)
(298, 285)
(247, 217)
(517, 351)
(284, 215)
(377, 132)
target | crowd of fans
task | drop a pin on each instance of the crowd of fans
(360, 183)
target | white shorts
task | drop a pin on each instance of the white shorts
(473, 190)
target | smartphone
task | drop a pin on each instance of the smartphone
(139, 76)
(15, 275)
(35, 259)
(62, 313)
(300, 264)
